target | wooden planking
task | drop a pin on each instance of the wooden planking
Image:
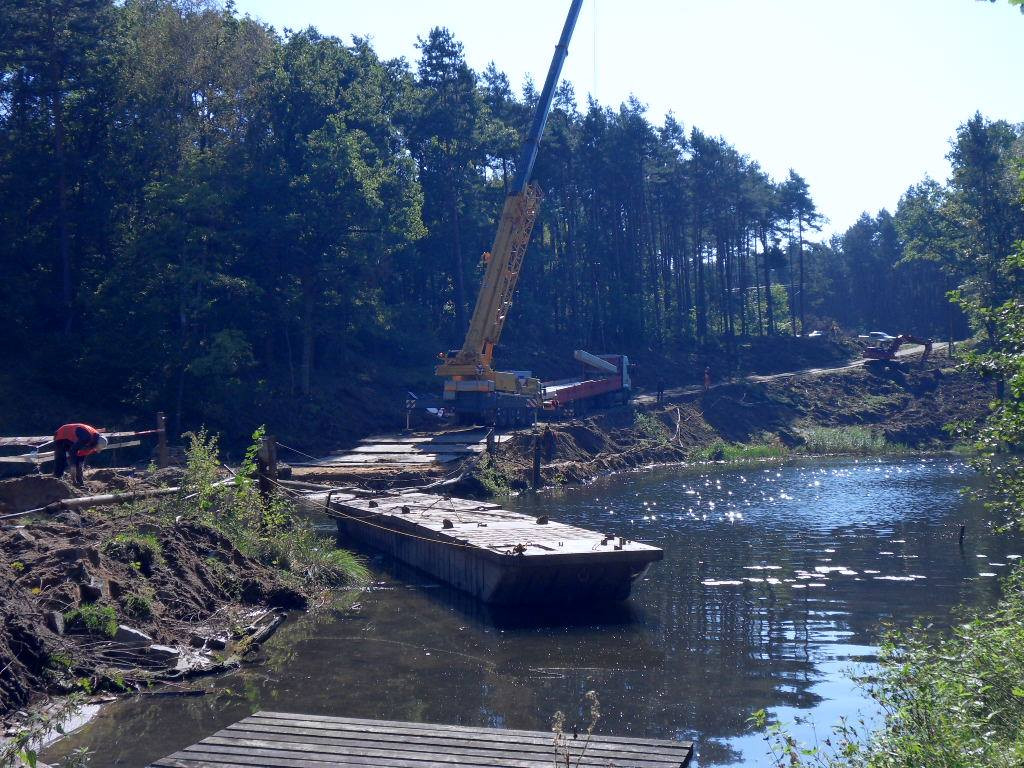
(271, 739)
(426, 733)
(42, 457)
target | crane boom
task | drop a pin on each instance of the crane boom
(469, 369)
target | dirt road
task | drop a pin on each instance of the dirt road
(695, 389)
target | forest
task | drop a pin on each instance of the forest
(205, 215)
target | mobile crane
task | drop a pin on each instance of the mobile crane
(473, 389)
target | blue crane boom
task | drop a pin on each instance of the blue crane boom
(531, 145)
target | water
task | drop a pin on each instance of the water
(775, 584)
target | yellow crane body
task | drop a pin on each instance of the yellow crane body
(470, 370)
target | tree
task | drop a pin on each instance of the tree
(445, 142)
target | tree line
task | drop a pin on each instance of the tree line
(200, 211)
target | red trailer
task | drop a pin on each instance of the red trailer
(605, 381)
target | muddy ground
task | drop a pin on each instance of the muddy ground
(908, 404)
(114, 599)
(118, 599)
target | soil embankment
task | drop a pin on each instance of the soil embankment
(902, 407)
(117, 598)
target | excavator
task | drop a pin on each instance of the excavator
(887, 349)
(473, 389)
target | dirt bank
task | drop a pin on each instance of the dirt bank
(903, 407)
(115, 599)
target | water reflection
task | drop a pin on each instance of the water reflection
(776, 579)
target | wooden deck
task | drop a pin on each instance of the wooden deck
(277, 739)
(407, 450)
(494, 554)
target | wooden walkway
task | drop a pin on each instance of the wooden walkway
(408, 450)
(277, 739)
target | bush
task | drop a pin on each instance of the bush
(848, 440)
(651, 427)
(723, 451)
(138, 606)
(141, 549)
(98, 619)
(267, 530)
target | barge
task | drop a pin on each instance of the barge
(498, 556)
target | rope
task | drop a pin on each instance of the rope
(296, 450)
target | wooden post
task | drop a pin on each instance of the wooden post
(162, 455)
(267, 469)
(536, 462)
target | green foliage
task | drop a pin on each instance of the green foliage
(492, 476)
(93, 617)
(266, 529)
(650, 427)
(138, 606)
(831, 441)
(721, 450)
(24, 739)
(142, 549)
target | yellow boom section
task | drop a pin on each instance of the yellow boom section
(499, 284)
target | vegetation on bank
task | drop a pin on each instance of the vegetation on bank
(852, 440)
(957, 700)
(817, 441)
(266, 529)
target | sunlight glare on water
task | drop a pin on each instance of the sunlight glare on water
(776, 581)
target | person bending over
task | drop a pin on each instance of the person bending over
(71, 444)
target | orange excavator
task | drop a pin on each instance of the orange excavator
(888, 348)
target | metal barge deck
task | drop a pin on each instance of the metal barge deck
(494, 554)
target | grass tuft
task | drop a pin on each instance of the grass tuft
(848, 440)
(98, 619)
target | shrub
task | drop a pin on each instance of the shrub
(848, 440)
(651, 428)
(265, 529)
(134, 547)
(98, 619)
(723, 451)
(138, 606)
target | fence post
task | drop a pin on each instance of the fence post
(267, 470)
(162, 455)
(536, 462)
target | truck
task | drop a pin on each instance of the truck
(474, 391)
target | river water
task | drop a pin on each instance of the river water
(776, 582)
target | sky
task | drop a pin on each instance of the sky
(860, 97)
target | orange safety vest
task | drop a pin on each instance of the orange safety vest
(69, 432)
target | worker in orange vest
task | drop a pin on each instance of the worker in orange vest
(71, 444)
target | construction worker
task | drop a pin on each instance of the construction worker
(707, 378)
(71, 444)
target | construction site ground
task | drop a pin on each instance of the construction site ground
(908, 403)
(202, 588)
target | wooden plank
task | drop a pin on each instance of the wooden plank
(471, 744)
(331, 720)
(27, 441)
(264, 723)
(44, 456)
(412, 450)
(286, 740)
(509, 754)
(260, 753)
